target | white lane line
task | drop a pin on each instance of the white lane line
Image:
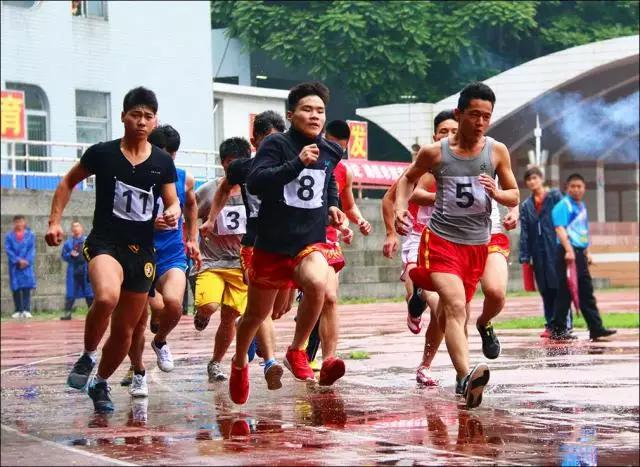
(615, 257)
(66, 448)
(13, 368)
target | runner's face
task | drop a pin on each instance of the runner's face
(76, 230)
(534, 183)
(576, 189)
(257, 140)
(474, 121)
(139, 122)
(308, 117)
(445, 128)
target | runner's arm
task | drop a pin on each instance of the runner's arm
(191, 220)
(171, 203)
(421, 194)
(350, 208)
(268, 174)
(508, 194)
(220, 199)
(390, 246)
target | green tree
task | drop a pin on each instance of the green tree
(383, 50)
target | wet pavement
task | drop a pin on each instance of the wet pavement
(570, 404)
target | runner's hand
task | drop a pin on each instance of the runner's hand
(403, 222)
(159, 223)
(489, 184)
(54, 235)
(193, 252)
(364, 226)
(347, 235)
(171, 215)
(510, 221)
(309, 154)
(390, 247)
(208, 228)
(337, 218)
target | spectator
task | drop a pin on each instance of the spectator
(538, 242)
(572, 227)
(77, 270)
(415, 147)
(20, 245)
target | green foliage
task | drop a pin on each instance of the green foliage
(610, 320)
(385, 49)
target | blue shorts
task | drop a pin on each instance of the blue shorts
(165, 260)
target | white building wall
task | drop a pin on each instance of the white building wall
(165, 46)
(234, 62)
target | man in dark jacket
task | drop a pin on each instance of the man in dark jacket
(538, 242)
(77, 270)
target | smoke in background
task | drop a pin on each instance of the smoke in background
(592, 128)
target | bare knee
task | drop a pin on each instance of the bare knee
(105, 300)
(330, 299)
(494, 294)
(456, 309)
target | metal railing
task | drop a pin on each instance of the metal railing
(64, 155)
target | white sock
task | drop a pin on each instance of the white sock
(92, 355)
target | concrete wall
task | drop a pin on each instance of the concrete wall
(165, 46)
(233, 63)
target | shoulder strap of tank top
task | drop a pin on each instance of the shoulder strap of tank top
(486, 155)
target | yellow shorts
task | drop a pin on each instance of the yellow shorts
(223, 286)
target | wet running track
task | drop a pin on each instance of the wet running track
(571, 404)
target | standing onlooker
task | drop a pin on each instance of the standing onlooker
(77, 270)
(538, 241)
(572, 227)
(20, 245)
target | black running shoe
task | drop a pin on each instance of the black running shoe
(490, 342)
(474, 384)
(562, 336)
(460, 386)
(415, 304)
(99, 393)
(601, 333)
(81, 371)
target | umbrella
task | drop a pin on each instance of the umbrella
(572, 283)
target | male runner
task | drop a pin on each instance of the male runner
(453, 250)
(337, 131)
(130, 172)
(167, 292)
(293, 175)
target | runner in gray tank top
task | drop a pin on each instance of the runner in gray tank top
(453, 249)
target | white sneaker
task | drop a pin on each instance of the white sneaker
(139, 386)
(139, 410)
(214, 370)
(17, 315)
(26, 314)
(165, 359)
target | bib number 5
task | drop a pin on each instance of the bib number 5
(306, 191)
(461, 193)
(463, 196)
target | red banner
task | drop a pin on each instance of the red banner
(375, 172)
(12, 115)
(358, 146)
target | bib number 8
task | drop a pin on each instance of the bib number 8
(305, 192)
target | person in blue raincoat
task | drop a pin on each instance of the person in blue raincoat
(538, 242)
(77, 270)
(20, 245)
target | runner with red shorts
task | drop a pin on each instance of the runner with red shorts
(453, 250)
(293, 175)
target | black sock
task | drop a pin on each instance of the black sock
(415, 305)
(139, 372)
(159, 344)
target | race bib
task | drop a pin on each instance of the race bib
(232, 220)
(132, 203)
(463, 196)
(306, 191)
(254, 204)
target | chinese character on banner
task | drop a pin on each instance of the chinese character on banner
(12, 114)
(252, 118)
(358, 146)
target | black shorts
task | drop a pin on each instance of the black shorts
(137, 261)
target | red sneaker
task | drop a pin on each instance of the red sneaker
(423, 377)
(239, 384)
(546, 333)
(414, 324)
(296, 361)
(331, 371)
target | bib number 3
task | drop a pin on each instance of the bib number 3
(232, 220)
(306, 191)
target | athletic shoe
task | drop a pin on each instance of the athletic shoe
(99, 393)
(562, 336)
(315, 364)
(296, 362)
(474, 384)
(17, 315)
(251, 353)
(139, 386)
(80, 372)
(332, 370)
(239, 384)
(423, 376)
(273, 375)
(546, 334)
(214, 370)
(601, 333)
(414, 324)
(200, 322)
(139, 410)
(460, 386)
(490, 342)
(66, 316)
(164, 357)
(27, 314)
(416, 305)
(126, 381)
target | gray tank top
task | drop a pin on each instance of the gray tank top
(462, 211)
(222, 249)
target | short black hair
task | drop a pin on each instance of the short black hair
(338, 129)
(308, 88)
(575, 176)
(415, 147)
(18, 217)
(165, 137)
(266, 121)
(476, 90)
(441, 117)
(140, 96)
(531, 171)
(235, 147)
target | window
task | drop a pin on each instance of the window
(20, 4)
(89, 8)
(37, 114)
(92, 117)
